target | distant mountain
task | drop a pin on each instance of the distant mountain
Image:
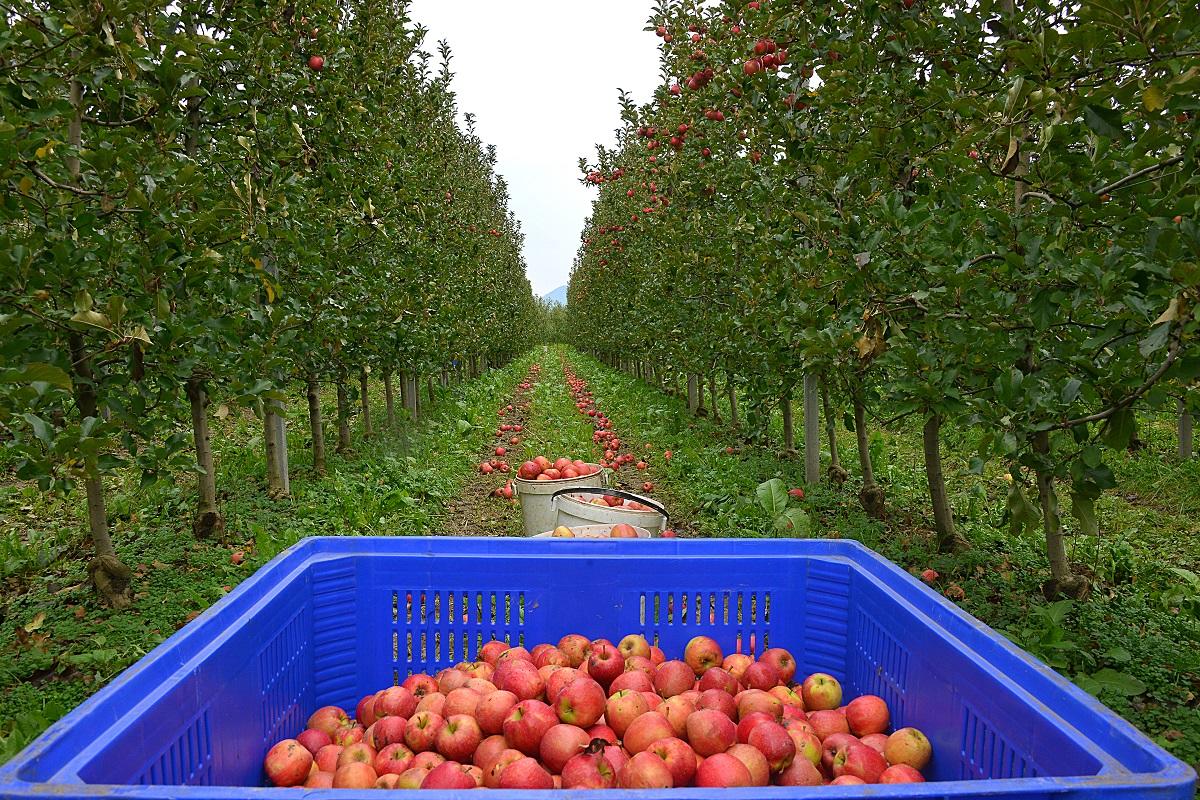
(557, 297)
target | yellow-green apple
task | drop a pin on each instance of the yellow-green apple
(702, 653)
(821, 691)
(908, 746)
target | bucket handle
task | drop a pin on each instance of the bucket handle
(646, 501)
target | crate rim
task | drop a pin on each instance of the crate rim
(297, 558)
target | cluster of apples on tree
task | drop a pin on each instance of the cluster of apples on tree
(588, 714)
(905, 217)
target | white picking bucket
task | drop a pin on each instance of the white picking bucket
(572, 510)
(592, 532)
(537, 511)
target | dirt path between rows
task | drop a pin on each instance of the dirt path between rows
(477, 511)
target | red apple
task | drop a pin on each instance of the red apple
(527, 723)
(719, 678)
(514, 654)
(637, 681)
(558, 679)
(328, 719)
(326, 758)
(451, 679)
(433, 702)
(575, 647)
(800, 772)
(623, 708)
(561, 743)
(761, 675)
(364, 712)
(393, 760)
(735, 664)
(603, 732)
(773, 741)
(710, 732)
(448, 775)
(821, 692)
(718, 699)
(581, 703)
(288, 763)
(388, 730)
(316, 63)
(589, 770)
(551, 656)
(901, 773)
(677, 709)
(313, 740)
(830, 747)
(462, 701)
(673, 677)
(702, 654)
(492, 650)
(867, 714)
(908, 746)
(756, 762)
(679, 758)
(360, 751)
(422, 730)
(657, 656)
(749, 722)
(645, 770)
(420, 685)
(788, 696)
(525, 774)
(828, 722)
(752, 700)
(640, 664)
(859, 760)
(493, 709)
(723, 771)
(319, 780)
(491, 776)
(458, 737)
(876, 741)
(605, 663)
(355, 775)
(520, 677)
(488, 750)
(645, 730)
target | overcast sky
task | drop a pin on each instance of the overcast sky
(541, 76)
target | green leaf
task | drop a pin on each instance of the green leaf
(1084, 509)
(37, 373)
(1118, 682)
(793, 522)
(93, 318)
(1022, 514)
(83, 301)
(1152, 98)
(772, 496)
(41, 428)
(1156, 339)
(462, 426)
(1118, 430)
(1104, 121)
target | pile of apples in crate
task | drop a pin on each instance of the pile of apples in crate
(593, 715)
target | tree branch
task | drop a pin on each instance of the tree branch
(1128, 400)
(1112, 187)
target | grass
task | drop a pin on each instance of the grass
(1135, 643)
(58, 646)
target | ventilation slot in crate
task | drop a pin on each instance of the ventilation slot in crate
(744, 614)
(187, 761)
(284, 680)
(335, 632)
(985, 754)
(882, 665)
(433, 629)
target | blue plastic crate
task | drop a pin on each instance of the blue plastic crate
(334, 618)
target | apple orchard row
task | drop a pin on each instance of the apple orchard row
(593, 715)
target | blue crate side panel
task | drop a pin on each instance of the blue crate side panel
(211, 727)
(979, 728)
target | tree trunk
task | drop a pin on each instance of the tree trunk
(389, 399)
(316, 428)
(712, 396)
(693, 402)
(343, 413)
(731, 394)
(430, 387)
(1062, 580)
(812, 431)
(837, 475)
(948, 539)
(412, 400)
(405, 400)
(364, 402)
(274, 484)
(109, 576)
(789, 434)
(871, 497)
(1185, 431)
(209, 522)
